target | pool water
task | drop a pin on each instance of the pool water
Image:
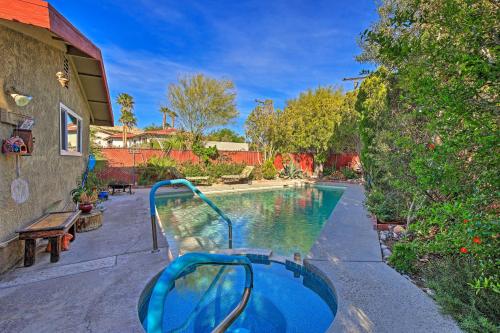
(285, 220)
(281, 300)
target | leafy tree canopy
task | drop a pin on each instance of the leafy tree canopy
(225, 134)
(202, 103)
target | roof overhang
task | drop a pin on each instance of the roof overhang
(40, 20)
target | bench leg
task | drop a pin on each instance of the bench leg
(29, 252)
(55, 248)
(72, 232)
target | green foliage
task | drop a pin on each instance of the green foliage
(349, 173)
(449, 277)
(127, 116)
(429, 131)
(291, 171)
(201, 103)
(213, 170)
(309, 121)
(156, 169)
(404, 256)
(263, 129)
(269, 170)
(153, 127)
(206, 154)
(226, 135)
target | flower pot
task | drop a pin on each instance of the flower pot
(85, 207)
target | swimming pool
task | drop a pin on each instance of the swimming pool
(286, 297)
(285, 220)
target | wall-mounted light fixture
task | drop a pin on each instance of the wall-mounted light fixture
(20, 99)
(63, 79)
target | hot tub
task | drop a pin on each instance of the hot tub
(286, 297)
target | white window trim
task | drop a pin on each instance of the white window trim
(63, 152)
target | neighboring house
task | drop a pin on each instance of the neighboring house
(112, 137)
(104, 136)
(40, 52)
(227, 146)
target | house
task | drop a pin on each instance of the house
(45, 58)
(227, 146)
(112, 137)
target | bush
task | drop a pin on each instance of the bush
(349, 173)
(213, 170)
(475, 311)
(156, 169)
(269, 170)
(404, 256)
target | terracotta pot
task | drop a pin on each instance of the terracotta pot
(85, 208)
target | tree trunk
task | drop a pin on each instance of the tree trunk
(124, 136)
(164, 122)
(173, 121)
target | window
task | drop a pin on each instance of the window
(70, 132)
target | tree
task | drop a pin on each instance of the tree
(262, 128)
(127, 117)
(202, 103)
(435, 112)
(168, 112)
(225, 134)
(153, 127)
(310, 121)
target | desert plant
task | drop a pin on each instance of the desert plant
(291, 171)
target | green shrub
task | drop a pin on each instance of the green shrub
(475, 311)
(189, 169)
(349, 173)
(213, 170)
(156, 169)
(205, 153)
(386, 206)
(216, 170)
(269, 170)
(404, 256)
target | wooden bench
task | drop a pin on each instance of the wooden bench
(123, 187)
(52, 226)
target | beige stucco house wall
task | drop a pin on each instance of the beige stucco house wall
(30, 65)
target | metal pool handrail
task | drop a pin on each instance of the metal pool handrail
(195, 190)
(167, 279)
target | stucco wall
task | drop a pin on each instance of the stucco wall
(30, 66)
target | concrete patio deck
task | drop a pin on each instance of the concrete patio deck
(95, 287)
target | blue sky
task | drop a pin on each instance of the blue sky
(270, 49)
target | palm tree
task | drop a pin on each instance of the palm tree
(127, 117)
(172, 115)
(164, 110)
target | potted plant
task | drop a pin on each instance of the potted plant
(85, 198)
(87, 201)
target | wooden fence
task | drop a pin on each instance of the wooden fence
(121, 161)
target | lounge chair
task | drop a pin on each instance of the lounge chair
(243, 176)
(200, 180)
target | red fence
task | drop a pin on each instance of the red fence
(121, 160)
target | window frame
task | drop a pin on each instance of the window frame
(64, 152)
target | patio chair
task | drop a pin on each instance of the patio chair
(243, 176)
(200, 180)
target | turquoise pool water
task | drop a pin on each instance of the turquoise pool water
(286, 220)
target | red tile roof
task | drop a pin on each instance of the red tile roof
(166, 131)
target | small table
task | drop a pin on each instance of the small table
(52, 226)
(123, 187)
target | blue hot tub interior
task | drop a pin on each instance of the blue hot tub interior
(285, 298)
